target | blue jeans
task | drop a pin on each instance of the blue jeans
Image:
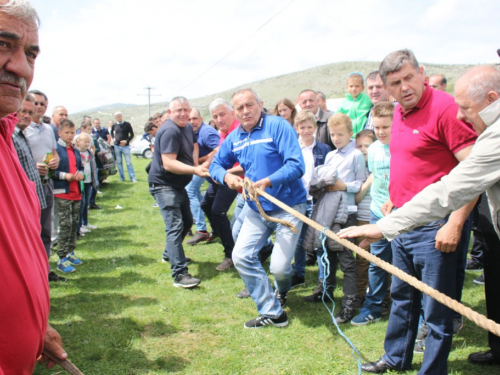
(84, 206)
(174, 208)
(195, 198)
(299, 266)
(253, 236)
(415, 253)
(240, 203)
(377, 277)
(125, 150)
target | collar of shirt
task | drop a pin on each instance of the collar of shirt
(310, 147)
(348, 148)
(491, 113)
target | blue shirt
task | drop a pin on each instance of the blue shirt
(272, 150)
(351, 167)
(379, 161)
(208, 139)
(103, 133)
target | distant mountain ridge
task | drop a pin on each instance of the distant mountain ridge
(330, 79)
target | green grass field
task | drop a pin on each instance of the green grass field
(120, 314)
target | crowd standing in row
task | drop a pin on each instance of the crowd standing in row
(342, 169)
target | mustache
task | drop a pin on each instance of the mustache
(8, 77)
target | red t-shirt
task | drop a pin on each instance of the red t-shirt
(423, 143)
(223, 136)
(24, 287)
(74, 193)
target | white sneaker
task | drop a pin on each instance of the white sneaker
(99, 192)
(89, 226)
(84, 230)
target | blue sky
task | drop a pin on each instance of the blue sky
(102, 52)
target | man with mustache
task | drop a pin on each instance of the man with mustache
(24, 310)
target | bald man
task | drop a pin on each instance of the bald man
(438, 82)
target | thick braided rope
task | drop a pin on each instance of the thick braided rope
(250, 191)
(481, 320)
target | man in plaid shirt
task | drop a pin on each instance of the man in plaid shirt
(23, 150)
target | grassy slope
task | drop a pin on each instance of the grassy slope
(120, 314)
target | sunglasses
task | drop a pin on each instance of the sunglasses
(41, 104)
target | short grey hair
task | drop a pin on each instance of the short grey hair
(216, 103)
(394, 61)
(180, 99)
(323, 96)
(486, 79)
(29, 98)
(257, 97)
(21, 10)
(118, 113)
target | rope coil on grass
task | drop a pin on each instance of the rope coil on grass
(480, 320)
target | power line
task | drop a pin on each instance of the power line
(235, 47)
(149, 95)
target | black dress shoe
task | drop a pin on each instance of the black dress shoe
(484, 358)
(378, 367)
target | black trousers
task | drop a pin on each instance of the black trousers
(492, 285)
(217, 201)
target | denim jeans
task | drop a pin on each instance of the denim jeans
(240, 203)
(299, 266)
(125, 150)
(253, 236)
(174, 208)
(195, 198)
(84, 206)
(415, 253)
(216, 203)
(377, 277)
(93, 192)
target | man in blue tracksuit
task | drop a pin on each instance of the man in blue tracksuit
(268, 151)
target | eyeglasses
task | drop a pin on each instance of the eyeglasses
(41, 104)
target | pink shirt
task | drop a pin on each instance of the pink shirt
(24, 287)
(423, 144)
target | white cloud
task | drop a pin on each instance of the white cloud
(106, 51)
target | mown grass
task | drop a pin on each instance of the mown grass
(120, 314)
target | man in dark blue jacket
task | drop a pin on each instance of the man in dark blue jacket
(267, 149)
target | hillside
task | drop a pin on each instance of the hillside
(331, 79)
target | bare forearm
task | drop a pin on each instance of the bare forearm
(177, 167)
(459, 216)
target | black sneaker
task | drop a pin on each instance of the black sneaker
(243, 294)
(479, 280)
(473, 265)
(298, 281)
(282, 297)
(262, 321)
(186, 281)
(95, 207)
(345, 315)
(55, 277)
(317, 294)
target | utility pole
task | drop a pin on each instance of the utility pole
(149, 95)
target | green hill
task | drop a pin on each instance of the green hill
(331, 79)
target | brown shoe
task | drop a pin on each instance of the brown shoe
(226, 264)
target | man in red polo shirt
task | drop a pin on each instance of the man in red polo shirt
(427, 142)
(24, 289)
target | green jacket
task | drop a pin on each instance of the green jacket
(357, 109)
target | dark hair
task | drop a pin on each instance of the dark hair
(38, 92)
(149, 126)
